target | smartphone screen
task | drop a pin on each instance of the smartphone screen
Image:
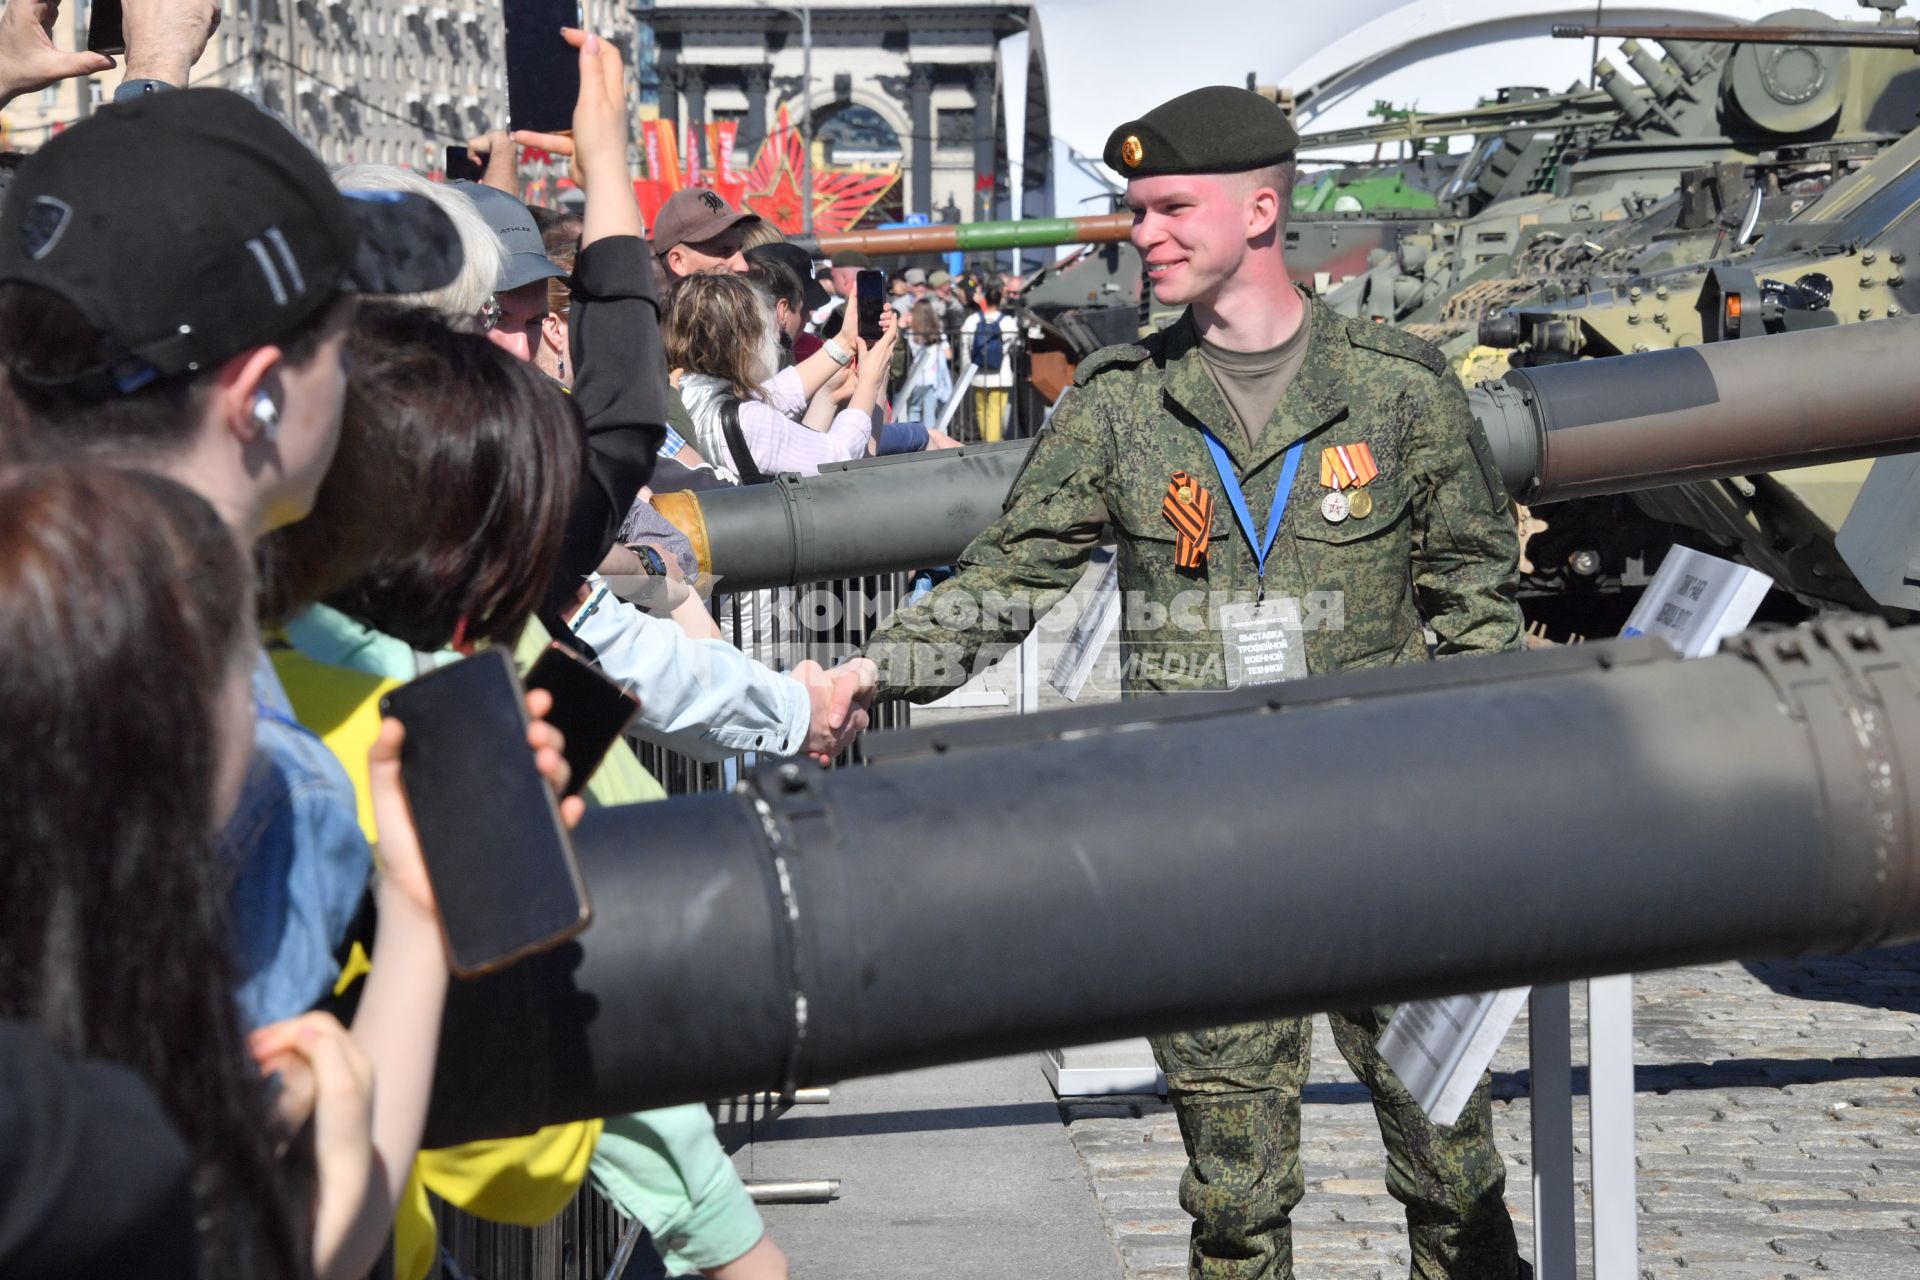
(870, 294)
(105, 32)
(462, 167)
(589, 710)
(499, 859)
(543, 70)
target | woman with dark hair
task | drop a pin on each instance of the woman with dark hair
(441, 524)
(124, 604)
(112, 940)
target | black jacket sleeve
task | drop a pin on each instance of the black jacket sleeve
(93, 1180)
(620, 388)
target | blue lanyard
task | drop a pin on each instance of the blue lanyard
(1231, 483)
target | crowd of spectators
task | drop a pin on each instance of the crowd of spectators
(274, 440)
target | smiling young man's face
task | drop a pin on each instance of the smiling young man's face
(1192, 231)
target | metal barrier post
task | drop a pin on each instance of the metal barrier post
(1616, 1246)
(1550, 1049)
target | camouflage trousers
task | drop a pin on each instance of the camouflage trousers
(1236, 1091)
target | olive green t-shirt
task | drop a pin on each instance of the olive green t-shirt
(1254, 381)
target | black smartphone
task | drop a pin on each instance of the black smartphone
(543, 70)
(589, 710)
(870, 295)
(462, 167)
(502, 867)
(105, 30)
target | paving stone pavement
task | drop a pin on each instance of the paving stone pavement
(1777, 1115)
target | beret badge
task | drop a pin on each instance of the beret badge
(1131, 152)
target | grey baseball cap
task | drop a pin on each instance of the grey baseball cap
(527, 259)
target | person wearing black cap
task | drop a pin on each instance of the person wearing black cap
(197, 330)
(1240, 565)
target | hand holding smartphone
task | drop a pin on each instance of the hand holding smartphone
(462, 167)
(589, 710)
(497, 855)
(870, 296)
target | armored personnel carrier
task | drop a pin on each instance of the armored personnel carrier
(1649, 164)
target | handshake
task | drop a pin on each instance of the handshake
(841, 699)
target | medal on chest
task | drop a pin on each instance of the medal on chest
(1346, 470)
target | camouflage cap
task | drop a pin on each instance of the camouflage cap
(1218, 129)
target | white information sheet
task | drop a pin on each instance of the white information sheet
(1074, 665)
(1438, 1048)
(1696, 600)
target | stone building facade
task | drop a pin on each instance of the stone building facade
(369, 81)
(930, 70)
(395, 81)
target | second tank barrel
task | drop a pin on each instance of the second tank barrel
(1557, 431)
(1706, 412)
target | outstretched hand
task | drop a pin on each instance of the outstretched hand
(29, 60)
(839, 713)
(499, 160)
(875, 355)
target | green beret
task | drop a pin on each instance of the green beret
(851, 258)
(1218, 129)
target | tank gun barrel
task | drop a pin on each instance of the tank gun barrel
(882, 515)
(1842, 37)
(1557, 432)
(976, 237)
(1556, 112)
(1704, 413)
(1761, 802)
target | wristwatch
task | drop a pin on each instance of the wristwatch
(134, 90)
(656, 565)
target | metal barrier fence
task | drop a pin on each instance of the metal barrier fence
(824, 621)
(1022, 408)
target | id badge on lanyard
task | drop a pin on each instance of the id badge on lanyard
(1264, 641)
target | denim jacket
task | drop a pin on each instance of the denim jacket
(298, 861)
(702, 698)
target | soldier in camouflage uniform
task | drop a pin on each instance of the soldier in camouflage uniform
(1144, 445)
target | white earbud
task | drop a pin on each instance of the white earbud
(267, 414)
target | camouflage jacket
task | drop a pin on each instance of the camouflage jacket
(1437, 550)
